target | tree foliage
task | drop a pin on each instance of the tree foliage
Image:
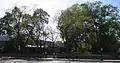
(24, 28)
(90, 27)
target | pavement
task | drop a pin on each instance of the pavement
(56, 60)
(25, 61)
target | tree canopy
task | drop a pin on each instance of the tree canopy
(24, 28)
(90, 27)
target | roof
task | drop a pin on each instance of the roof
(47, 44)
(60, 45)
(51, 44)
(4, 38)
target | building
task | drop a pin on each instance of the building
(3, 40)
(47, 46)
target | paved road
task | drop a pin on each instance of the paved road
(56, 60)
(23, 61)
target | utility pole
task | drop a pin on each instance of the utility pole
(100, 42)
(101, 50)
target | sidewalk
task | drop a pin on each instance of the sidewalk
(56, 59)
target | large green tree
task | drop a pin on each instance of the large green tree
(24, 28)
(90, 27)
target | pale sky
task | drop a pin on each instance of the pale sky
(50, 6)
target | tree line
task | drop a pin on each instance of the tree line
(85, 27)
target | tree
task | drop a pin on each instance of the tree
(105, 18)
(72, 26)
(39, 19)
(24, 28)
(89, 27)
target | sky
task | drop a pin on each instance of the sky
(50, 6)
